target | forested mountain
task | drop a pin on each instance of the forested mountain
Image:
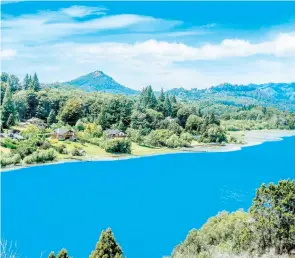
(281, 95)
(99, 81)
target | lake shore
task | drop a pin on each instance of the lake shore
(249, 138)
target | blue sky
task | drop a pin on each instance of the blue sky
(163, 44)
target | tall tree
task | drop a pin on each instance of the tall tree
(14, 83)
(63, 253)
(27, 81)
(4, 77)
(72, 111)
(51, 119)
(8, 113)
(162, 96)
(167, 106)
(36, 83)
(107, 246)
(147, 98)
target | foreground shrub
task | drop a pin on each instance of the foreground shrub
(78, 152)
(41, 156)
(61, 148)
(8, 159)
(135, 135)
(117, 145)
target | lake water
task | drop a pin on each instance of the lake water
(150, 203)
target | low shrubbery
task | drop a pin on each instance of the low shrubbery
(8, 159)
(166, 138)
(41, 156)
(9, 143)
(117, 145)
(78, 152)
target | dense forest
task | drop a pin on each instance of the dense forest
(266, 230)
(148, 119)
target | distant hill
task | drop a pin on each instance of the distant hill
(281, 95)
(99, 81)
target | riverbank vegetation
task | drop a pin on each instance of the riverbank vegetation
(268, 227)
(40, 123)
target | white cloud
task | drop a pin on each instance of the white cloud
(51, 26)
(7, 54)
(82, 11)
(159, 63)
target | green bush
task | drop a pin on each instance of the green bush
(117, 145)
(61, 148)
(158, 138)
(173, 141)
(8, 159)
(135, 135)
(8, 143)
(78, 152)
(41, 156)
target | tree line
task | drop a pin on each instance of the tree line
(144, 118)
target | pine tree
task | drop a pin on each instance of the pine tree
(147, 98)
(51, 119)
(162, 96)
(173, 99)
(63, 254)
(167, 106)
(36, 83)
(51, 255)
(8, 112)
(26, 83)
(107, 246)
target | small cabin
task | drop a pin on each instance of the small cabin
(114, 133)
(63, 134)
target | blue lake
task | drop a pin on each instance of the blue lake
(150, 203)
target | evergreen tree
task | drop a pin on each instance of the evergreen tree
(167, 107)
(147, 98)
(173, 99)
(51, 255)
(14, 83)
(107, 246)
(63, 254)
(26, 83)
(162, 96)
(8, 113)
(4, 77)
(51, 119)
(36, 83)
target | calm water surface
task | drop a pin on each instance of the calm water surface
(150, 203)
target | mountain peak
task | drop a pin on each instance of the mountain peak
(99, 81)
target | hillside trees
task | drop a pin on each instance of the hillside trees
(8, 112)
(273, 210)
(72, 111)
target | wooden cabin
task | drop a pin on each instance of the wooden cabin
(63, 134)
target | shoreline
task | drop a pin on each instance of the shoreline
(251, 138)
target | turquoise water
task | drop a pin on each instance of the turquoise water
(150, 203)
